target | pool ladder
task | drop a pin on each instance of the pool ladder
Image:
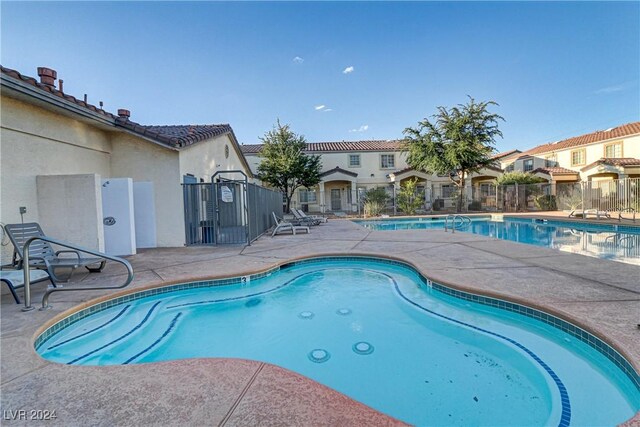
(457, 222)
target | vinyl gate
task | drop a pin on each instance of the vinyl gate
(228, 211)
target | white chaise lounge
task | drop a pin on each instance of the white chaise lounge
(282, 226)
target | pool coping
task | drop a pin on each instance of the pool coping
(540, 312)
(34, 381)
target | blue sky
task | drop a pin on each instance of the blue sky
(556, 69)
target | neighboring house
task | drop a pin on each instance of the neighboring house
(59, 154)
(351, 167)
(602, 155)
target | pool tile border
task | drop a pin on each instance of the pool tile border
(577, 332)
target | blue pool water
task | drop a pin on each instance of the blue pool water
(616, 243)
(374, 330)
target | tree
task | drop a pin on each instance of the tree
(409, 199)
(458, 142)
(516, 177)
(284, 165)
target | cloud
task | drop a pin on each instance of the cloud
(348, 70)
(614, 88)
(319, 107)
(362, 128)
(326, 110)
(298, 60)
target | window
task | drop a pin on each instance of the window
(613, 151)
(510, 167)
(551, 161)
(487, 189)
(387, 161)
(307, 196)
(528, 165)
(577, 157)
(447, 191)
(354, 160)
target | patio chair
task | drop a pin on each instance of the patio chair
(313, 217)
(42, 255)
(14, 279)
(593, 212)
(303, 220)
(282, 226)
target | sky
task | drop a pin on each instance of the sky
(339, 71)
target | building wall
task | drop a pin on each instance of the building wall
(135, 158)
(207, 157)
(593, 152)
(61, 197)
(370, 173)
(35, 142)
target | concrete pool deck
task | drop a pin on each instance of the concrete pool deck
(603, 296)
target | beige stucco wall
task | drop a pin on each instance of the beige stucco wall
(70, 208)
(135, 158)
(34, 142)
(593, 152)
(208, 157)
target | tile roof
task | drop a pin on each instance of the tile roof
(622, 161)
(576, 141)
(338, 169)
(183, 135)
(324, 147)
(172, 136)
(554, 171)
(505, 154)
(52, 90)
(251, 148)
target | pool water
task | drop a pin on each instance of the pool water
(612, 242)
(376, 331)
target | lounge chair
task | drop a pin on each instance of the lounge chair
(593, 212)
(15, 279)
(42, 255)
(312, 217)
(303, 220)
(282, 226)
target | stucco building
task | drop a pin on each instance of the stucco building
(349, 168)
(602, 155)
(60, 154)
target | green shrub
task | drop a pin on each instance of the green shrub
(546, 202)
(409, 200)
(375, 200)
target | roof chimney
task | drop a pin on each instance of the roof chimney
(125, 114)
(47, 76)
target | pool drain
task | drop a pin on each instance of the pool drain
(306, 315)
(343, 312)
(363, 348)
(319, 355)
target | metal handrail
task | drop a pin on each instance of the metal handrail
(463, 219)
(45, 298)
(632, 210)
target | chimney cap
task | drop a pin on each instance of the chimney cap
(124, 113)
(49, 72)
(48, 76)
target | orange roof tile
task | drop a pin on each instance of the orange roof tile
(589, 138)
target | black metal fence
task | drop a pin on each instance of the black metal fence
(228, 212)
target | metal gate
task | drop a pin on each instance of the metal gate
(218, 212)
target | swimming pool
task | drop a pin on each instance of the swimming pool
(375, 330)
(608, 241)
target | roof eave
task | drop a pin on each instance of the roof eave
(30, 91)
